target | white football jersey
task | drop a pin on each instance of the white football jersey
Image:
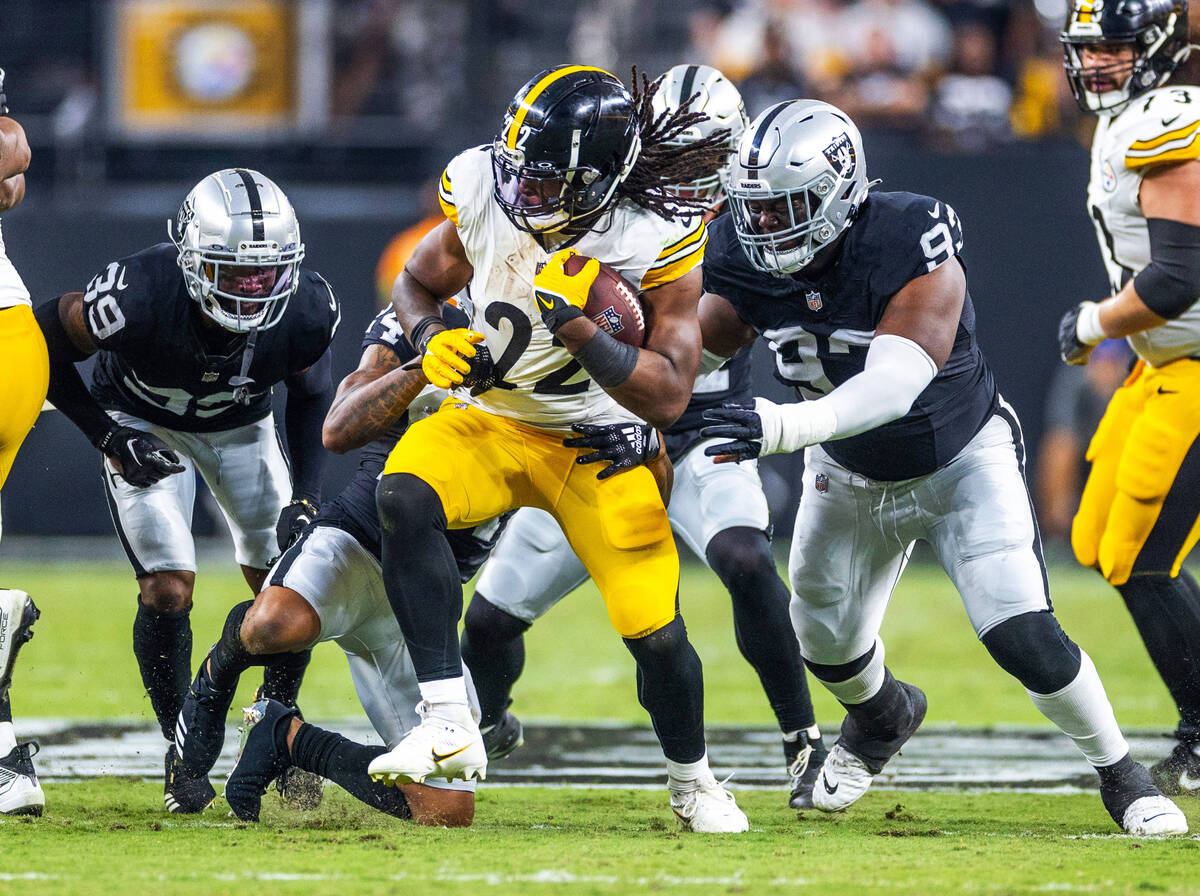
(12, 288)
(540, 383)
(1162, 126)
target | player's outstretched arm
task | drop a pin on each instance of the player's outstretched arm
(370, 400)
(1165, 288)
(912, 342)
(655, 382)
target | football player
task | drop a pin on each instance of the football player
(719, 510)
(580, 165)
(865, 302)
(191, 335)
(1138, 516)
(328, 586)
(24, 374)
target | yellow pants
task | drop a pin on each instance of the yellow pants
(1140, 510)
(24, 377)
(482, 465)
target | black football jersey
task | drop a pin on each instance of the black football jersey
(820, 329)
(731, 382)
(159, 362)
(354, 507)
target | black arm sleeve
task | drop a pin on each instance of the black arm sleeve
(67, 391)
(1170, 284)
(309, 395)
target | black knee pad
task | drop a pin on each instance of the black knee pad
(488, 626)
(740, 553)
(407, 503)
(1034, 649)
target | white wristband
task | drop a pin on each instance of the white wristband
(1088, 328)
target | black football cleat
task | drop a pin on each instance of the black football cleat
(262, 758)
(182, 792)
(1179, 773)
(502, 738)
(804, 759)
(17, 616)
(200, 728)
(1135, 802)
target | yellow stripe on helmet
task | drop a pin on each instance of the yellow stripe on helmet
(514, 129)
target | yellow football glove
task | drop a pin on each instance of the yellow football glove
(561, 296)
(445, 361)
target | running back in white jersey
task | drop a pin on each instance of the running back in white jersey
(540, 383)
(12, 288)
(1160, 127)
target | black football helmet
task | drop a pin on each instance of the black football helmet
(570, 137)
(1156, 31)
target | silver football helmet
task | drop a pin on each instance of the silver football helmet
(717, 98)
(798, 179)
(239, 249)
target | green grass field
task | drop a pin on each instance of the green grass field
(101, 835)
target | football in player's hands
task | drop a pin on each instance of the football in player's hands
(612, 303)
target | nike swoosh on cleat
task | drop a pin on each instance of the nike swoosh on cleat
(1152, 817)
(442, 757)
(828, 789)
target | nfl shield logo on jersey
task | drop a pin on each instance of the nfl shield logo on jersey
(814, 300)
(822, 483)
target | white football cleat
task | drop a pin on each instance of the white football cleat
(705, 807)
(1154, 816)
(447, 744)
(843, 779)
(20, 792)
(17, 616)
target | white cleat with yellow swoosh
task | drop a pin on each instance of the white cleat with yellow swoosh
(447, 744)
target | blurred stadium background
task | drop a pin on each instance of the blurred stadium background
(353, 106)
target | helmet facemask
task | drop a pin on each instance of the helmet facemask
(1155, 35)
(239, 249)
(805, 227)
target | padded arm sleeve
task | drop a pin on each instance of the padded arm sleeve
(896, 371)
(309, 395)
(67, 391)
(1170, 284)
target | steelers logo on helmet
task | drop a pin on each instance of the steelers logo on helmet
(239, 249)
(569, 138)
(1116, 50)
(798, 180)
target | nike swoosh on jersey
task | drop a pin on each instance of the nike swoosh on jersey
(442, 757)
(1167, 122)
(937, 210)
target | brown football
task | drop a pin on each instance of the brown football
(612, 303)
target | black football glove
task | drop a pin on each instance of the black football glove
(295, 515)
(739, 422)
(623, 445)
(482, 375)
(144, 458)
(1071, 348)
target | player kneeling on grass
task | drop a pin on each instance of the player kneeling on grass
(865, 302)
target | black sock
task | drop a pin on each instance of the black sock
(1166, 612)
(344, 762)
(5, 709)
(229, 658)
(283, 674)
(670, 683)
(741, 558)
(420, 574)
(162, 643)
(494, 650)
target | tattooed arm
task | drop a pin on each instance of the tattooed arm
(370, 400)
